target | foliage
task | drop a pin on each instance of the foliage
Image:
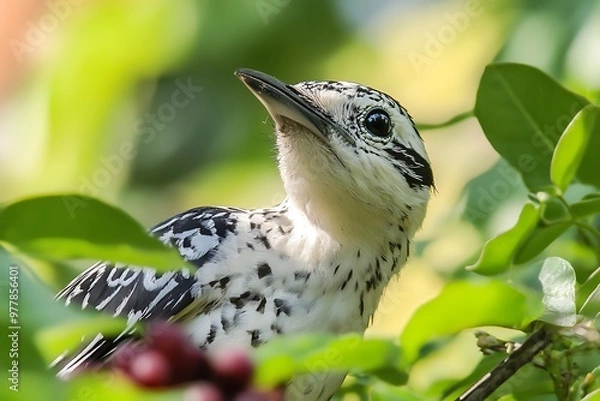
(54, 227)
(542, 273)
(75, 226)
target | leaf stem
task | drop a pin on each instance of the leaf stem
(451, 121)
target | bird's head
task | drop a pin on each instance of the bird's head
(350, 156)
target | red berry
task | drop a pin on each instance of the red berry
(203, 392)
(168, 339)
(168, 357)
(150, 369)
(200, 365)
(124, 354)
(233, 370)
(192, 365)
(186, 361)
(250, 396)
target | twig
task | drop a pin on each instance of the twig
(508, 367)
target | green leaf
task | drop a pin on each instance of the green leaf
(390, 375)
(105, 386)
(486, 192)
(485, 365)
(593, 396)
(529, 383)
(588, 287)
(538, 240)
(554, 209)
(558, 285)
(35, 385)
(53, 341)
(590, 385)
(571, 148)
(284, 357)
(497, 254)
(591, 306)
(585, 207)
(73, 226)
(523, 112)
(381, 392)
(589, 166)
(464, 304)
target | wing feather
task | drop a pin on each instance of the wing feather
(140, 293)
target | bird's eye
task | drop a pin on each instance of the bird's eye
(378, 123)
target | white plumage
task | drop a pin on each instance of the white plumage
(357, 179)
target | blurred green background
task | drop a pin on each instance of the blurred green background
(136, 103)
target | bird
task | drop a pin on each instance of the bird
(357, 179)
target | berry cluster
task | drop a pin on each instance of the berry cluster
(168, 358)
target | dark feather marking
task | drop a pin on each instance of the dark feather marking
(255, 340)
(413, 167)
(238, 302)
(362, 305)
(225, 322)
(172, 303)
(211, 334)
(302, 275)
(237, 315)
(395, 264)
(263, 270)
(261, 306)
(245, 298)
(220, 283)
(347, 279)
(207, 221)
(264, 240)
(282, 306)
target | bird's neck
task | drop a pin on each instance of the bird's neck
(340, 266)
(348, 222)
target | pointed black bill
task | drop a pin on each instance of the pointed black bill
(283, 101)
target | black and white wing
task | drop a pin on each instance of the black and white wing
(138, 294)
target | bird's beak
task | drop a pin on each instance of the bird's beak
(283, 101)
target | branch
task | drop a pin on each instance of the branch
(508, 367)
